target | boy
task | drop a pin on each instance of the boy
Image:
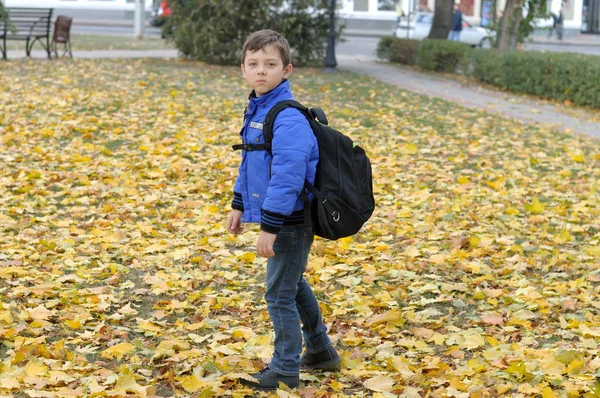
(267, 191)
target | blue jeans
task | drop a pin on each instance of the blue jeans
(454, 35)
(290, 299)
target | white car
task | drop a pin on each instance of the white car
(421, 25)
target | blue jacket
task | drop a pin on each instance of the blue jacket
(268, 187)
(456, 21)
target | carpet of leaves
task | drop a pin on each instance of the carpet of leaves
(478, 275)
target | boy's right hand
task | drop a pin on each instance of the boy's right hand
(234, 222)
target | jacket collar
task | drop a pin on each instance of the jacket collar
(274, 96)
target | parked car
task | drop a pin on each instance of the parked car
(162, 13)
(419, 28)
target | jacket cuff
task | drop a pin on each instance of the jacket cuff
(271, 222)
(238, 203)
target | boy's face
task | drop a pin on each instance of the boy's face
(264, 70)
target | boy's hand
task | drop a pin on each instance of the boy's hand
(234, 222)
(264, 245)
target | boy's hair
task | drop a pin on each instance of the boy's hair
(267, 37)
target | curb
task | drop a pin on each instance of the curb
(566, 43)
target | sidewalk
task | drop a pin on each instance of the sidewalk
(503, 104)
(506, 105)
(575, 40)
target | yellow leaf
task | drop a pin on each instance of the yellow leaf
(149, 326)
(73, 324)
(40, 313)
(349, 363)
(463, 180)
(536, 207)
(212, 209)
(412, 251)
(9, 382)
(575, 366)
(118, 351)
(393, 317)
(35, 368)
(502, 388)
(248, 258)
(126, 383)
(191, 383)
(578, 158)
(380, 383)
(241, 334)
(6, 317)
(336, 386)
(411, 148)
(512, 211)
(551, 366)
(593, 251)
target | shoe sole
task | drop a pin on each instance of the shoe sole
(334, 363)
(259, 388)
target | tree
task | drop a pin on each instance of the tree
(214, 31)
(518, 21)
(442, 19)
(3, 13)
(4, 17)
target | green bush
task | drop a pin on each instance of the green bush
(404, 51)
(383, 47)
(559, 76)
(443, 55)
(214, 31)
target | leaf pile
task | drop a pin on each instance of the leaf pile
(478, 275)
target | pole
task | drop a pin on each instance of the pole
(330, 61)
(139, 15)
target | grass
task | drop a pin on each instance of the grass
(117, 178)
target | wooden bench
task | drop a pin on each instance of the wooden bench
(29, 24)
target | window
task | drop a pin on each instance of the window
(385, 5)
(361, 5)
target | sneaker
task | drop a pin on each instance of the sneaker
(327, 359)
(269, 380)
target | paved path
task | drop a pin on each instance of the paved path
(502, 104)
(37, 54)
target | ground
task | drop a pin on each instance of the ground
(477, 275)
(84, 42)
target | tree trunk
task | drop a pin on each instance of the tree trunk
(442, 19)
(510, 21)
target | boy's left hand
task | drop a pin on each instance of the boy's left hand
(264, 245)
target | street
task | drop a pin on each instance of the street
(366, 46)
(350, 45)
(112, 30)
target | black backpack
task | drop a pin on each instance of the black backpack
(343, 187)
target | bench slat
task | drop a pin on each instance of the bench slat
(29, 24)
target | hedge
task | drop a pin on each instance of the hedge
(404, 51)
(443, 56)
(558, 76)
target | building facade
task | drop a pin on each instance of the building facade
(579, 15)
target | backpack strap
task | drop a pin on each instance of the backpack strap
(252, 147)
(269, 121)
(268, 124)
